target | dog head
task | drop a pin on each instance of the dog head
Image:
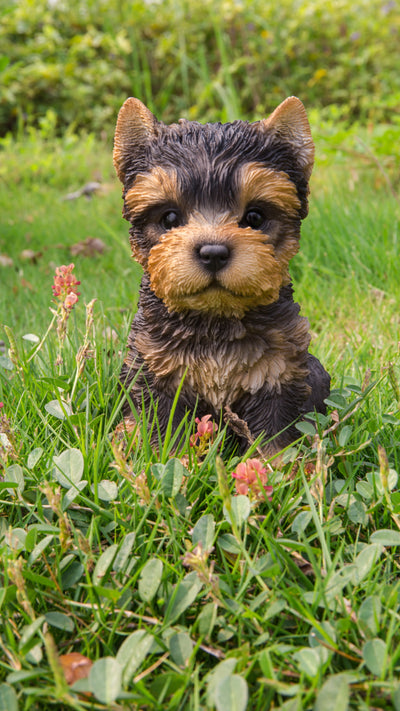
(215, 209)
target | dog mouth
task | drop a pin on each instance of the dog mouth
(214, 286)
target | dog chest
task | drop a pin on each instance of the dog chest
(220, 373)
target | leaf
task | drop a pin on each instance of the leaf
(75, 666)
(357, 513)
(266, 664)
(316, 636)
(8, 698)
(220, 672)
(106, 490)
(291, 705)
(68, 467)
(386, 537)
(6, 363)
(73, 493)
(14, 474)
(29, 631)
(183, 595)
(34, 456)
(334, 695)
(31, 337)
(182, 504)
(132, 653)
(4, 62)
(71, 575)
(375, 481)
(306, 428)
(4, 486)
(309, 661)
(392, 479)
(274, 608)
(207, 619)
(170, 476)
(15, 538)
(157, 470)
(338, 581)
(344, 435)
(335, 400)
(31, 256)
(374, 655)
(365, 490)
(231, 694)
(104, 563)
(17, 677)
(105, 679)
(31, 538)
(203, 532)
(228, 543)
(125, 549)
(396, 698)
(5, 261)
(369, 614)
(39, 548)
(35, 654)
(181, 647)
(60, 620)
(240, 510)
(88, 247)
(301, 522)
(365, 560)
(61, 409)
(150, 578)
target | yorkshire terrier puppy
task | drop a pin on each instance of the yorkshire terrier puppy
(215, 213)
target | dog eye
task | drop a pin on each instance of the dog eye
(170, 219)
(253, 218)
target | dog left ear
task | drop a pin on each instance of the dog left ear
(289, 121)
(135, 126)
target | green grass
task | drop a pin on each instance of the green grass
(293, 602)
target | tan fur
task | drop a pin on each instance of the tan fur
(150, 189)
(253, 276)
(260, 183)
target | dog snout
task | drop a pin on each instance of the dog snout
(213, 257)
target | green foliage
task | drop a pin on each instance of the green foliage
(175, 592)
(172, 589)
(207, 60)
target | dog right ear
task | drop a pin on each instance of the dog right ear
(135, 126)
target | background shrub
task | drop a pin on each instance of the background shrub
(205, 59)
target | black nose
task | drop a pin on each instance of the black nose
(213, 257)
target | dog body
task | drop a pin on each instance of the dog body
(215, 213)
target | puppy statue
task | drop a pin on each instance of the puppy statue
(215, 213)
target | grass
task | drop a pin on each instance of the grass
(289, 604)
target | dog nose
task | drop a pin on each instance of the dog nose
(214, 257)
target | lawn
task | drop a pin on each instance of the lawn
(139, 566)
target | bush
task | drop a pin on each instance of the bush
(205, 59)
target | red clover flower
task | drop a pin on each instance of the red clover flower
(64, 287)
(251, 478)
(66, 296)
(204, 435)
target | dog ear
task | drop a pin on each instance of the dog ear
(289, 121)
(135, 126)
